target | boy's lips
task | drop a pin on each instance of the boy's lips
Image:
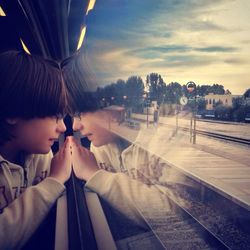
(52, 140)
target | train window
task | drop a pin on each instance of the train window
(171, 174)
(192, 169)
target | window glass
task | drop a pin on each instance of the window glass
(143, 56)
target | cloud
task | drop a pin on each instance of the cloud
(187, 37)
(165, 49)
(160, 51)
(217, 49)
(180, 61)
(236, 61)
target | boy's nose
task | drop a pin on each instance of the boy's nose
(61, 127)
(77, 125)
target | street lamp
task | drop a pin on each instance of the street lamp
(103, 102)
(112, 99)
(191, 87)
(124, 99)
(126, 113)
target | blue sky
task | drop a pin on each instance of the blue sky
(205, 41)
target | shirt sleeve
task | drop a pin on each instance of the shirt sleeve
(137, 201)
(21, 218)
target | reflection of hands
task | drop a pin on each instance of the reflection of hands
(61, 164)
(84, 162)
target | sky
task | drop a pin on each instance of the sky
(205, 41)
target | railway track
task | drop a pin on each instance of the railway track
(224, 137)
(216, 223)
(176, 230)
(220, 136)
(181, 230)
(212, 134)
(223, 122)
(195, 227)
(192, 224)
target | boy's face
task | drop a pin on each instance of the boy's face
(36, 136)
(95, 127)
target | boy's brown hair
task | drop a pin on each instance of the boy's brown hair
(30, 87)
(80, 84)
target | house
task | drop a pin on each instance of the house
(226, 100)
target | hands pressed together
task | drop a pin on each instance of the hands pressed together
(73, 155)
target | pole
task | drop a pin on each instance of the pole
(176, 110)
(191, 127)
(191, 86)
(147, 103)
(147, 115)
(195, 111)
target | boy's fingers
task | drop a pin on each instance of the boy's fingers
(68, 141)
(67, 148)
(68, 154)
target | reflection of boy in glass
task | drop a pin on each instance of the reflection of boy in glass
(32, 104)
(106, 171)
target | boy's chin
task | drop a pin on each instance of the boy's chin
(42, 151)
(46, 151)
(97, 144)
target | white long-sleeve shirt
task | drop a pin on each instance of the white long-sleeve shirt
(26, 196)
(129, 180)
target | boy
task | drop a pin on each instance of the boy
(32, 102)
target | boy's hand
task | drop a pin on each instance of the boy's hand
(61, 164)
(83, 161)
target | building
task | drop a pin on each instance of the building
(212, 99)
(246, 96)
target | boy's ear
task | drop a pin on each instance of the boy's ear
(12, 121)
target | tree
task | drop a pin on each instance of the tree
(99, 93)
(110, 93)
(120, 90)
(240, 108)
(201, 104)
(156, 86)
(223, 113)
(218, 103)
(217, 89)
(134, 91)
(237, 103)
(239, 114)
(173, 93)
(247, 94)
(203, 90)
(107, 94)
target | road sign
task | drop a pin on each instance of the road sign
(183, 100)
(190, 87)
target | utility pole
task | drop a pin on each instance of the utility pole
(191, 87)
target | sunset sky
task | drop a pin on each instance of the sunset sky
(205, 41)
